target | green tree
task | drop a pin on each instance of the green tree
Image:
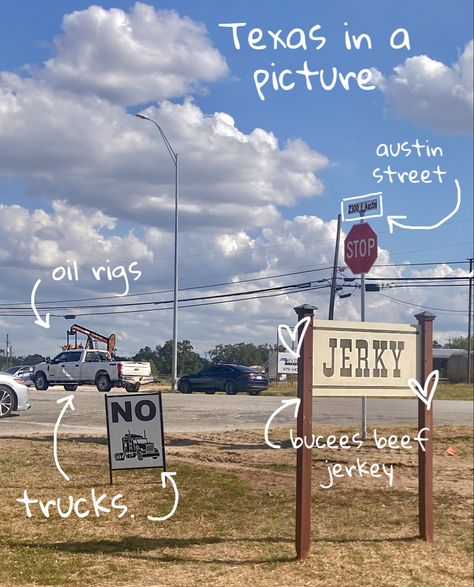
(459, 342)
(188, 360)
(240, 353)
(149, 355)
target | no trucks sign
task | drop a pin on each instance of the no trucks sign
(135, 431)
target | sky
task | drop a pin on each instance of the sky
(265, 152)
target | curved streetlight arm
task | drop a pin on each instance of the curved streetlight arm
(171, 151)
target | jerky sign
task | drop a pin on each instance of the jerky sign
(364, 358)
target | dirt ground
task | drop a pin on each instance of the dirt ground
(235, 520)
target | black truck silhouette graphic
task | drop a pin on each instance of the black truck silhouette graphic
(136, 446)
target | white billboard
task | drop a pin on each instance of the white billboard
(135, 431)
(287, 363)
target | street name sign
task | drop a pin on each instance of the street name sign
(366, 206)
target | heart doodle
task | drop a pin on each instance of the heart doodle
(422, 392)
(293, 332)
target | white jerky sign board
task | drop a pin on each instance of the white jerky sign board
(135, 431)
(364, 358)
(287, 363)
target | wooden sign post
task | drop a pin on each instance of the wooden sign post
(425, 420)
(304, 428)
(411, 348)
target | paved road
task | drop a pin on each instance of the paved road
(202, 413)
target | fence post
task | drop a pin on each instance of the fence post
(304, 430)
(425, 420)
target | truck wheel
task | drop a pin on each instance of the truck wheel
(70, 387)
(119, 456)
(140, 456)
(102, 382)
(6, 402)
(132, 387)
(41, 381)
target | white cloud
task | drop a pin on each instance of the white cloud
(132, 57)
(431, 93)
(91, 152)
(37, 241)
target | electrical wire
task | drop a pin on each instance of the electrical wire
(8, 305)
(242, 299)
(444, 310)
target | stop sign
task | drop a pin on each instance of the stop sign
(360, 248)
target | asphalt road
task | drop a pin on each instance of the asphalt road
(203, 413)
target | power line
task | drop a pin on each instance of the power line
(242, 299)
(445, 310)
(5, 305)
(155, 303)
(181, 289)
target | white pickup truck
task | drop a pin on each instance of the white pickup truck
(90, 367)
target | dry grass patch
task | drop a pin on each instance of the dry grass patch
(235, 521)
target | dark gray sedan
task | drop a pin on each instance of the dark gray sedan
(228, 378)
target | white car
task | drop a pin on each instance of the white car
(13, 395)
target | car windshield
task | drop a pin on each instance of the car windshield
(11, 370)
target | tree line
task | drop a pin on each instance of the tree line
(189, 361)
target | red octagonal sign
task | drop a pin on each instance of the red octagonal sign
(360, 248)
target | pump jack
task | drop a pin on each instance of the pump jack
(92, 337)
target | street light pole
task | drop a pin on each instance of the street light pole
(174, 158)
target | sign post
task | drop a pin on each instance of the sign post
(360, 253)
(356, 359)
(425, 421)
(304, 430)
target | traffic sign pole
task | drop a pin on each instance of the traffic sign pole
(362, 319)
(360, 253)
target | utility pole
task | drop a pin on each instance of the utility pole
(7, 348)
(332, 298)
(469, 322)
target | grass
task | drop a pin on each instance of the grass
(235, 520)
(452, 391)
(462, 391)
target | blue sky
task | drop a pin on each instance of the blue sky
(344, 127)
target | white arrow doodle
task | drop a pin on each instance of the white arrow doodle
(44, 323)
(68, 399)
(392, 220)
(164, 477)
(285, 403)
